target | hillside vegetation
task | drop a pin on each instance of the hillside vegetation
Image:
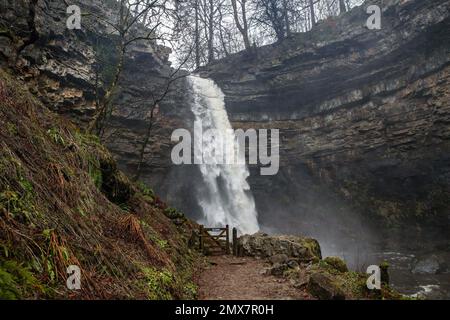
(64, 202)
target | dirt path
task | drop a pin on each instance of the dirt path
(233, 278)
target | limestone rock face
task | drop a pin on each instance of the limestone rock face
(280, 248)
(62, 68)
(364, 119)
(364, 115)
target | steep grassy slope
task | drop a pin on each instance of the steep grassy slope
(63, 202)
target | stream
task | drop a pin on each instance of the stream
(421, 270)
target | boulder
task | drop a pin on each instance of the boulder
(321, 286)
(298, 248)
(292, 264)
(429, 265)
(278, 269)
(278, 258)
(336, 263)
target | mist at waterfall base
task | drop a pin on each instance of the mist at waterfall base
(294, 202)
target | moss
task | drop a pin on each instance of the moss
(12, 129)
(173, 213)
(17, 282)
(336, 263)
(18, 206)
(56, 136)
(158, 283)
(147, 193)
(191, 290)
(94, 172)
(353, 284)
(162, 244)
(313, 247)
(153, 236)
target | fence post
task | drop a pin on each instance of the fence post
(228, 239)
(235, 242)
(201, 238)
(384, 273)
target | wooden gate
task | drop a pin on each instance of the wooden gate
(214, 241)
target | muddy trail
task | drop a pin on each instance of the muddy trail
(243, 278)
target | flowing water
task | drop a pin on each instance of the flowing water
(226, 197)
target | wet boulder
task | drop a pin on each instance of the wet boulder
(279, 258)
(323, 287)
(301, 249)
(278, 269)
(432, 264)
(336, 263)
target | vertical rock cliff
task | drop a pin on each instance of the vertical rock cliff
(364, 118)
(67, 70)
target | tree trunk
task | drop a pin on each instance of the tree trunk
(197, 37)
(286, 18)
(211, 32)
(342, 7)
(222, 39)
(313, 15)
(96, 123)
(243, 28)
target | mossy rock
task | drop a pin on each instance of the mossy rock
(17, 282)
(302, 249)
(323, 287)
(173, 214)
(336, 263)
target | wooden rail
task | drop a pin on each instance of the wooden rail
(213, 244)
(219, 242)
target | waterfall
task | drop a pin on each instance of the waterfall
(226, 198)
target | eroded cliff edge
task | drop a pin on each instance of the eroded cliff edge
(364, 120)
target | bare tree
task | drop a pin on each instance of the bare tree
(313, 15)
(342, 6)
(156, 100)
(221, 27)
(242, 27)
(129, 27)
(270, 13)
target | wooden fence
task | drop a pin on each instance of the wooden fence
(216, 241)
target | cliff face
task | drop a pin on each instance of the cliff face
(364, 117)
(363, 114)
(65, 69)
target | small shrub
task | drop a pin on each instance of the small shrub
(16, 281)
(158, 283)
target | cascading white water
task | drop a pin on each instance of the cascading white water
(227, 198)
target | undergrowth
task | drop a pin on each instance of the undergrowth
(64, 202)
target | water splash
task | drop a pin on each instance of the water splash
(227, 198)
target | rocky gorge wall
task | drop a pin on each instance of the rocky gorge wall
(364, 121)
(363, 114)
(66, 70)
